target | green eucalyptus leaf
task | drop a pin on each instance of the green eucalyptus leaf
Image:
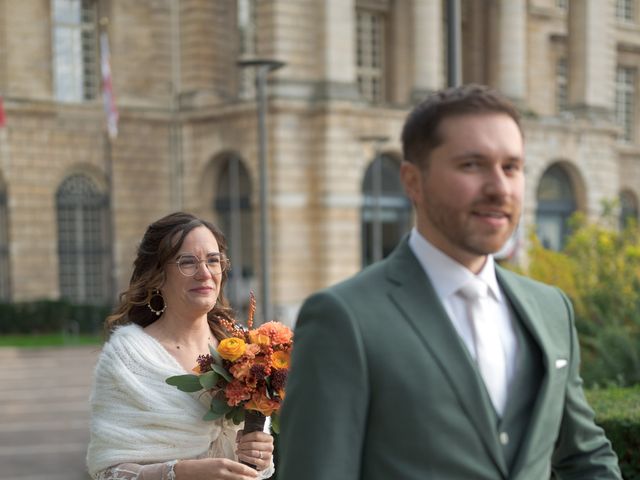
(186, 383)
(208, 380)
(219, 406)
(238, 415)
(222, 372)
(217, 359)
(211, 415)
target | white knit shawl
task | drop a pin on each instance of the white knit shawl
(137, 418)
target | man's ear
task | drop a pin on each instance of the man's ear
(410, 178)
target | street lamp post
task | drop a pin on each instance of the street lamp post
(454, 49)
(263, 68)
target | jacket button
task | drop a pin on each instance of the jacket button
(504, 438)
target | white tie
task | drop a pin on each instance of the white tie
(490, 355)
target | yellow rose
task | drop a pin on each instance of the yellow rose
(232, 348)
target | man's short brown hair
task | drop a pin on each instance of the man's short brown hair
(420, 134)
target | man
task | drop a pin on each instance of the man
(403, 373)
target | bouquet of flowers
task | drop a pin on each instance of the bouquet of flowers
(245, 374)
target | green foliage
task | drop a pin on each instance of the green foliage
(49, 340)
(185, 383)
(51, 316)
(599, 269)
(208, 380)
(618, 412)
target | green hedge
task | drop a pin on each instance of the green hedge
(618, 412)
(599, 269)
(51, 316)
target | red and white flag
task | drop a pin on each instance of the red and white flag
(108, 98)
(3, 118)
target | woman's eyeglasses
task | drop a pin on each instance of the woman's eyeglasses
(216, 263)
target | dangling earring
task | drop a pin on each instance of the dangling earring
(156, 293)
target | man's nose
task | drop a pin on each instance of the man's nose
(497, 183)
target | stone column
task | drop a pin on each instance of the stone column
(339, 32)
(428, 73)
(591, 56)
(512, 47)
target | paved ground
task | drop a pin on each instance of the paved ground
(44, 413)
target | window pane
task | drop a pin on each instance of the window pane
(556, 204)
(66, 11)
(561, 84)
(247, 30)
(370, 42)
(624, 10)
(625, 100)
(386, 211)
(232, 207)
(75, 50)
(628, 208)
(83, 255)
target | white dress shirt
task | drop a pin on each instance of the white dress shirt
(447, 276)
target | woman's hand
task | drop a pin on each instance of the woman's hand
(255, 448)
(213, 469)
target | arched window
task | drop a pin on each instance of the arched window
(556, 203)
(232, 205)
(386, 211)
(628, 208)
(5, 288)
(83, 252)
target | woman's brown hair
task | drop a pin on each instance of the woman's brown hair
(160, 243)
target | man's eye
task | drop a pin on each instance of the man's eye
(512, 167)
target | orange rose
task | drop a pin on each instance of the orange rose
(277, 332)
(262, 404)
(258, 338)
(231, 348)
(280, 360)
(252, 350)
(241, 370)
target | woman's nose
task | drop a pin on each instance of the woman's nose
(203, 269)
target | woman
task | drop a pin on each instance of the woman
(142, 428)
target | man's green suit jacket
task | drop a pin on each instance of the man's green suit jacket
(381, 388)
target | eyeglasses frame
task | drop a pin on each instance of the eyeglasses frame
(225, 264)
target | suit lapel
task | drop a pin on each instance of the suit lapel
(418, 302)
(530, 314)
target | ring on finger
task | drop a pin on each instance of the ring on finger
(260, 455)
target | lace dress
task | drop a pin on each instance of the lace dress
(223, 446)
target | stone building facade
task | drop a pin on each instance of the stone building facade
(74, 203)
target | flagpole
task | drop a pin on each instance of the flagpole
(5, 283)
(110, 203)
(110, 132)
